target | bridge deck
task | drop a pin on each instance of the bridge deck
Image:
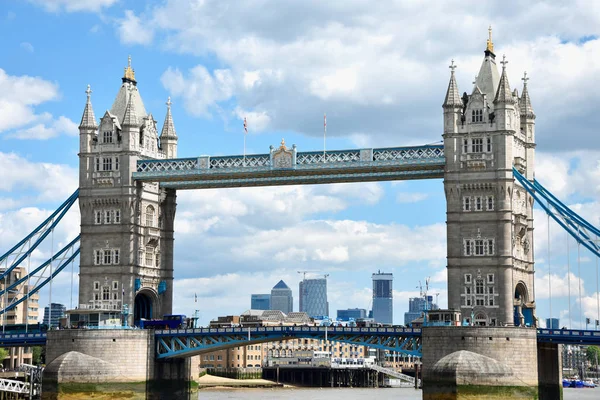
(299, 168)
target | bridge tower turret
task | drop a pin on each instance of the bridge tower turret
(489, 216)
(126, 226)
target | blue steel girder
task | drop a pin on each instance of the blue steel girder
(302, 168)
(22, 339)
(568, 336)
(189, 342)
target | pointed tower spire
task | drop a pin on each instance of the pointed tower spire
(129, 75)
(452, 94)
(168, 129)
(525, 104)
(504, 95)
(490, 44)
(88, 120)
(130, 118)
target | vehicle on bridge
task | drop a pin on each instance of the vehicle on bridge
(171, 321)
(24, 328)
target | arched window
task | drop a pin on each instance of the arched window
(149, 216)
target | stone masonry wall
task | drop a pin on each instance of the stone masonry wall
(514, 347)
(132, 351)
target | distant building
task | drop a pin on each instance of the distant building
(383, 306)
(53, 314)
(260, 302)
(24, 313)
(313, 297)
(552, 323)
(416, 306)
(356, 313)
(281, 298)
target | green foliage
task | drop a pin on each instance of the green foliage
(3, 354)
(593, 353)
(37, 355)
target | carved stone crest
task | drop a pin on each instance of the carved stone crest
(282, 157)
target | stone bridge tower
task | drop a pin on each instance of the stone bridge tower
(489, 216)
(126, 259)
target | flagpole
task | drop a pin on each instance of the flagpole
(245, 133)
(324, 136)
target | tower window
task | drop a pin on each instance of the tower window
(467, 278)
(466, 203)
(468, 247)
(117, 217)
(108, 257)
(477, 145)
(149, 256)
(96, 285)
(490, 279)
(97, 217)
(105, 293)
(476, 115)
(107, 216)
(98, 257)
(116, 256)
(479, 286)
(97, 164)
(490, 250)
(108, 137)
(478, 203)
(479, 247)
(489, 144)
(465, 146)
(116, 163)
(107, 164)
(149, 216)
(115, 285)
(490, 203)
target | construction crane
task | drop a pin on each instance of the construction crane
(306, 272)
(422, 293)
(325, 276)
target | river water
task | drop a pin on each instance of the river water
(350, 394)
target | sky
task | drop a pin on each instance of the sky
(379, 71)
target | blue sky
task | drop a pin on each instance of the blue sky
(379, 72)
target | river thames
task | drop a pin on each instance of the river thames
(350, 394)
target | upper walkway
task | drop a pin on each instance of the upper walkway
(285, 166)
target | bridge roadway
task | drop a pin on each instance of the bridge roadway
(172, 343)
(285, 166)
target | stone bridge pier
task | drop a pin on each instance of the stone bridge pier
(490, 362)
(119, 363)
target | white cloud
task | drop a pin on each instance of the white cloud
(285, 64)
(62, 125)
(132, 30)
(200, 90)
(51, 181)
(410, 197)
(559, 285)
(74, 5)
(28, 47)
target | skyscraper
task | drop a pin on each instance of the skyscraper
(260, 302)
(383, 307)
(53, 313)
(416, 306)
(281, 298)
(313, 297)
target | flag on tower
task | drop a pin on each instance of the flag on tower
(245, 126)
(195, 298)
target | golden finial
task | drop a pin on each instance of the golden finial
(490, 44)
(129, 72)
(282, 144)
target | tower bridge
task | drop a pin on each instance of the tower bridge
(129, 175)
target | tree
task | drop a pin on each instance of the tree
(592, 354)
(3, 354)
(37, 355)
